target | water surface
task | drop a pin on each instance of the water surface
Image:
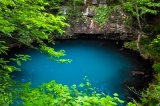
(105, 64)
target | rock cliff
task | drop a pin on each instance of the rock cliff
(115, 28)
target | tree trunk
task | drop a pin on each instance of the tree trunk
(140, 30)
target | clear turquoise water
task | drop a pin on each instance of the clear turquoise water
(105, 64)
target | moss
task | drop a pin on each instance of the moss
(131, 45)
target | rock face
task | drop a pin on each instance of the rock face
(113, 29)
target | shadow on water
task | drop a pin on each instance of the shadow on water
(109, 67)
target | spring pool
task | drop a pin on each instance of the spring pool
(108, 67)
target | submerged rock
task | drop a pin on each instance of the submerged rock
(137, 73)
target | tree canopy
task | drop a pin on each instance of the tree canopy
(28, 20)
(24, 22)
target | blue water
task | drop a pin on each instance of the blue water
(103, 62)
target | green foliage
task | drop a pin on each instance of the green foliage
(54, 5)
(74, 11)
(52, 52)
(64, 60)
(54, 55)
(74, 8)
(20, 57)
(151, 97)
(54, 94)
(131, 104)
(157, 29)
(139, 9)
(144, 7)
(3, 48)
(102, 15)
(156, 41)
(26, 20)
(6, 96)
(149, 47)
(155, 46)
(131, 45)
(156, 67)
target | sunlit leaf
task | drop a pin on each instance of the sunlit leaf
(81, 85)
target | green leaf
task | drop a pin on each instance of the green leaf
(10, 69)
(81, 85)
(88, 84)
(115, 94)
(18, 62)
